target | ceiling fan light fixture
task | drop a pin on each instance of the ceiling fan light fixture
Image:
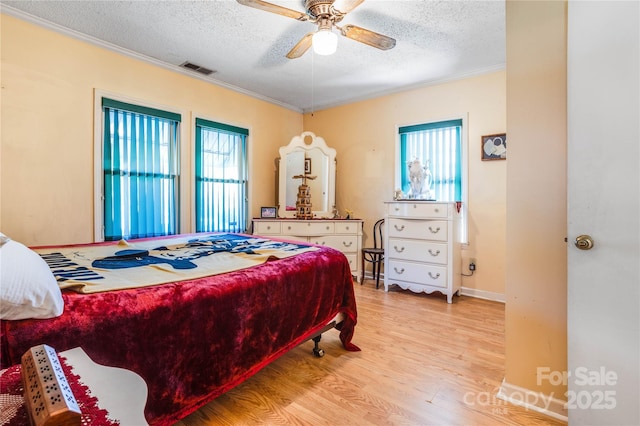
(325, 42)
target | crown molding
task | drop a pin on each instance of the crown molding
(126, 52)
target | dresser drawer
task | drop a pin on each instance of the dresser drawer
(344, 243)
(346, 227)
(434, 230)
(266, 228)
(417, 272)
(425, 210)
(353, 261)
(302, 239)
(307, 228)
(419, 251)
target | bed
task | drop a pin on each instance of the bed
(193, 339)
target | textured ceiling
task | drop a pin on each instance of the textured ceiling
(436, 41)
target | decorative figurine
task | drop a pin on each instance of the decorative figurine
(303, 202)
(336, 213)
(419, 179)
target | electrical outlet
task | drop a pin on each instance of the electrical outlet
(472, 264)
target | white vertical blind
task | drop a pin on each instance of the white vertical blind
(140, 171)
(221, 178)
(438, 146)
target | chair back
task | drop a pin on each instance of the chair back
(377, 233)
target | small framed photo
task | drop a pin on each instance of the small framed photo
(494, 147)
(307, 166)
(268, 212)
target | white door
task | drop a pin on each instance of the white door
(603, 198)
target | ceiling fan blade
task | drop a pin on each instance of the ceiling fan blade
(301, 47)
(368, 37)
(346, 6)
(274, 8)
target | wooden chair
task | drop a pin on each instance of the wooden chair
(375, 254)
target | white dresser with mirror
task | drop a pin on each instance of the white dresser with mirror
(310, 156)
(422, 247)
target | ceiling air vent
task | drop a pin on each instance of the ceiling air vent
(197, 68)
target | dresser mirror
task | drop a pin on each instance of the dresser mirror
(307, 155)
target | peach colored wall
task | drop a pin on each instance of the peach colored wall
(365, 136)
(48, 82)
(52, 77)
(536, 307)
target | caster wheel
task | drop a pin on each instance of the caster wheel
(318, 353)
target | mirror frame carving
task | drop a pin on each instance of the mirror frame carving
(298, 143)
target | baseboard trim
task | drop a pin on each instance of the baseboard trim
(482, 294)
(471, 292)
(369, 276)
(544, 404)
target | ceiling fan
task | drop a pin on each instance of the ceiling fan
(327, 14)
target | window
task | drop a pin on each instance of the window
(140, 171)
(221, 177)
(439, 145)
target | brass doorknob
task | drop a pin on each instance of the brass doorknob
(584, 242)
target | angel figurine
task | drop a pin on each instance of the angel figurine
(419, 179)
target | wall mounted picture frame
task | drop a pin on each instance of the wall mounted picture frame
(307, 166)
(268, 212)
(494, 147)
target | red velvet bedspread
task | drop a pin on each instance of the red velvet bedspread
(193, 340)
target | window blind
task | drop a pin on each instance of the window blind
(221, 177)
(140, 171)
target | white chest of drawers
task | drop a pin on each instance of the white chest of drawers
(343, 235)
(422, 248)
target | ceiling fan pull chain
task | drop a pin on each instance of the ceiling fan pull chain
(313, 57)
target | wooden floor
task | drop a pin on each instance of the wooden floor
(423, 362)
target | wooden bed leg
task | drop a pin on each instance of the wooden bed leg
(316, 350)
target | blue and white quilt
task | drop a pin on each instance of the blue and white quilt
(98, 268)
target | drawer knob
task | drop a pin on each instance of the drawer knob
(399, 250)
(347, 244)
(433, 277)
(328, 227)
(289, 228)
(399, 228)
(398, 272)
(434, 231)
(268, 227)
(437, 210)
(397, 208)
(434, 254)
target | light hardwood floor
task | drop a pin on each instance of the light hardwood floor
(423, 362)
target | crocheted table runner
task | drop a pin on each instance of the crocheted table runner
(13, 411)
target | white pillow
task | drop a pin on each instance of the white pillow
(28, 288)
